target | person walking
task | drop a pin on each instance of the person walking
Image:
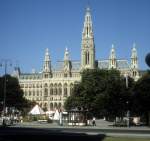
(93, 121)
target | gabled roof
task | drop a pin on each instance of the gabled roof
(121, 64)
(59, 65)
(31, 75)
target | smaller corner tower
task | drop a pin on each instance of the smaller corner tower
(134, 63)
(112, 58)
(67, 64)
(47, 72)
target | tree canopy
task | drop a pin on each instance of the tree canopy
(141, 97)
(14, 94)
(101, 92)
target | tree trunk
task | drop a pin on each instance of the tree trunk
(148, 118)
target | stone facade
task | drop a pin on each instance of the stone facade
(52, 86)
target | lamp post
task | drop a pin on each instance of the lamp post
(4, 63)
(126, 77)
(128, 112)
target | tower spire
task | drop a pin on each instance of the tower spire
(134, 57)
(87, 46)
(134, 63)
(87, 29)
(112, 58)
(66, 54)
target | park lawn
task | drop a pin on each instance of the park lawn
(125, 139)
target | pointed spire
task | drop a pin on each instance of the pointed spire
(88, 10)
(67, 64)
(66, 54)
(112, 52)
(134, 57)
(134, 51)
(87, 46)
(47, 56)
(47, 62)
(134, 45)
(112, 46)
(134, 62)
(87, 29)
(112, 58)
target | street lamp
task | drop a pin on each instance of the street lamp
(128, 112)
(4, 63)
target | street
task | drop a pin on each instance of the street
(102, 128)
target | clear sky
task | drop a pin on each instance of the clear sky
(28, 27)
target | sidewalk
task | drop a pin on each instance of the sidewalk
(101, 128)
(100, 124)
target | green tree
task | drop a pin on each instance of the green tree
(117, 95)
(102, 92)
(14, 94)
(141, 97)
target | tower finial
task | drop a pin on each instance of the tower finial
(112, 46)
(134, 45)
(66, 55)
(88, 9)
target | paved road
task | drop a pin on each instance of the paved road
(74, 132)
(90, 130)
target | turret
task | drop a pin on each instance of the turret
(67, 64)
(134, 57)
(47, 72)
(134, 63)
(112, 58)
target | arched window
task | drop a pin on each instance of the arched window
(87, 58)
(55, 89)
(51, 89)
(29, 93)
(71, 89)
(87, 30)
(55, 105)
(59, 89)
(59, 105)
(33, 93)
(45, 92)
(25, 93)
(65, 90)
(51, 106)
(37, 93)
(37, 85)
(45, 85)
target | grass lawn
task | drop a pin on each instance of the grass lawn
(125, 139)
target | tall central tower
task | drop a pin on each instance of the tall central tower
(87, 45)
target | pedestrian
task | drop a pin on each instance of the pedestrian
(93, 121)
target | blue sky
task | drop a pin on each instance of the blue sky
(28, 27)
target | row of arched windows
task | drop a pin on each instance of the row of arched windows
(53, 90)
(52, 106)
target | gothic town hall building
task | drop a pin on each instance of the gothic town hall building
(52, 86)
